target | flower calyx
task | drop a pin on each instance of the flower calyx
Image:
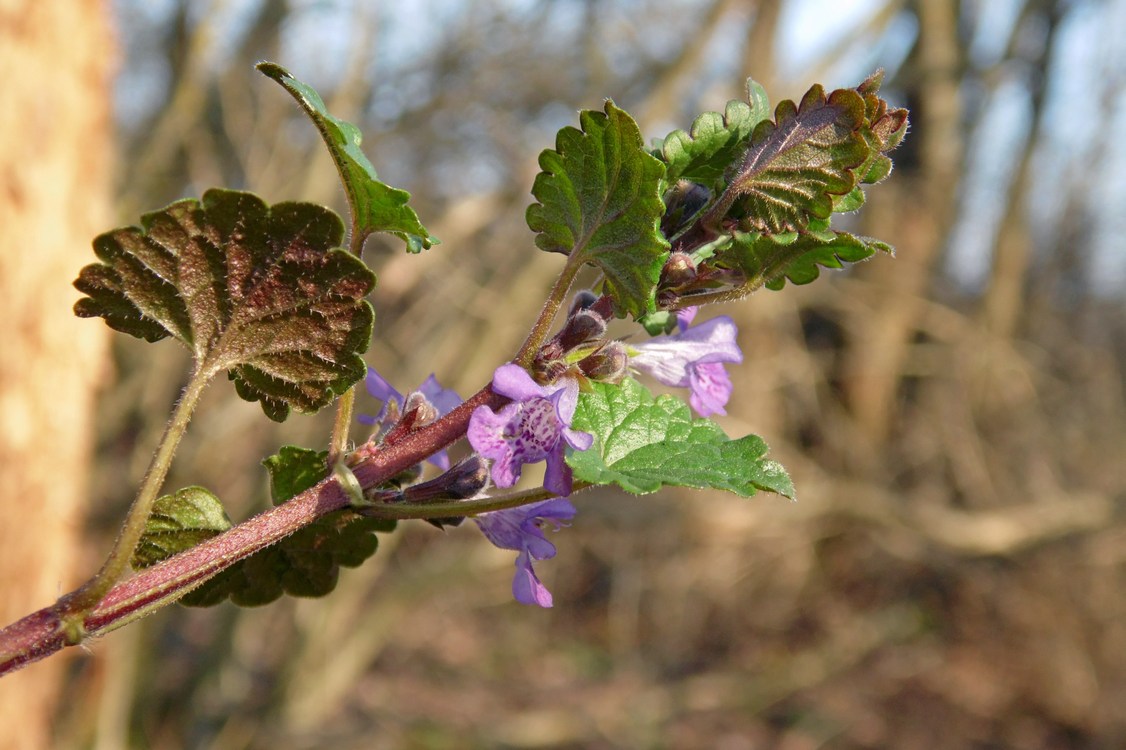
(582, 333)
(466, 479)
(401, 415)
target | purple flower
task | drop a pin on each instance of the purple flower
(693, 358)
(534, 427)
(443, 399)
(521, 529)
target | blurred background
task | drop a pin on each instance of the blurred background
(953, 574)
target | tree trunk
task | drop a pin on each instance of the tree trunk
(876, 360)
(55, 183)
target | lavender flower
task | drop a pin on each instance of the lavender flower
(534, 427)
(521, 529)
(443, 399)
(693, 358)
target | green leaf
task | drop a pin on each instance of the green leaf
(599, 199)
(658, 323)
(644, 443)
(795, 165)
(764, 258)
(850, 201)
(759, 101)
(262, 292)
(704, 154)
(308, 562)
(178, 522)
(293, 470)
(376, 207)
(883, 130)
(715, 141)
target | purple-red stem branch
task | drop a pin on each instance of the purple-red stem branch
(42, 633)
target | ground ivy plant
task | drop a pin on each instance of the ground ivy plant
(275, 297)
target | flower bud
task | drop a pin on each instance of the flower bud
(667, 299)
(548, 371)
(465, 479)
(678, 270)
(585, 325)
(609, 364)
(682, 203)
(418, 410)
(581, 328)
(583, 299)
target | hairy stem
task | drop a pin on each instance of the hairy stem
(75, 605)
(338, 443)
(99, 606)
(62, 624)
(555, 300)
(725, 295)
(475, 507)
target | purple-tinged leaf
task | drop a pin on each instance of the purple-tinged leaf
(795, 165)
(262, 292)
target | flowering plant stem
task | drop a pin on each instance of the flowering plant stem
(550, 309)
(73, 607)
(338, 443)
(66, 624)
(98, 606)
(735, 294)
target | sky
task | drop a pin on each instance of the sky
(1091, 64)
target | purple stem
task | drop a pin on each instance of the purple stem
(42, 633)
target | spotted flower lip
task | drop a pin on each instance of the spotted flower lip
(443, 399)
(535, 427)
(521, 529)
(693, 358)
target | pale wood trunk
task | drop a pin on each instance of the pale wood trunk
(55, 183)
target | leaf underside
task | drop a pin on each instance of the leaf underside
(777, 197)
(795, 165)
(262, 292)
(644, 443)
(797, 258)
(599, 199)
(376, 206)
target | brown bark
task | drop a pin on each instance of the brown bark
(55, 182)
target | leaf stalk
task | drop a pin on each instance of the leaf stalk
(74, 606)
(555, 299)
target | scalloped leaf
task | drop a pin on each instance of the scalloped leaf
(796, 164)
(308, 562)
(884, 129)
(262, 292)
(376, 206)
(599, 198)
(644, 443)
(797, 258)
(705, 153)
(178, 522)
